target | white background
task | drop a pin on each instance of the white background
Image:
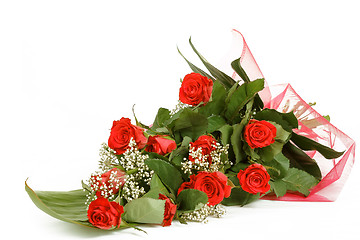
(69, 68)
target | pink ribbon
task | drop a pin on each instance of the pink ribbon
(283, 98)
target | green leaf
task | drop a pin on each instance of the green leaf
(307, 144)
(216, 104)
(156, 187)
(226, 133)
(239, 70)
(215, 122)
(191, 124)
(278, 187)
(288, 121)
(65, 206)
(299, 159)
(300, 181)
(162, 116)
(177, 156)
(195, 68)
(239, 197)
(191, 199)
(241, 96)
(226, 80)
(167, 173)
(278, 166)
(237, 143)
(144, 210)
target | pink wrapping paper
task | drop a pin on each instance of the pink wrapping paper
(283, 98)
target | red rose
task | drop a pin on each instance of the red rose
(213, 184)
(160, 145)
(259, 134)
(121, 133)
(254, 179)
(206, 143)
(104, 214)
(108, 183)
(169, 212)
(195, 89)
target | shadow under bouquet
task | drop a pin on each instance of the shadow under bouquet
(229, 141)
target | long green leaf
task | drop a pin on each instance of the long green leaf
(288, 121)
(195, 68)
(299, 159)
(65, 206)
(226, 80)
(307, 144)
(239, 70)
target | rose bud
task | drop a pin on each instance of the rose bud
(160, 145)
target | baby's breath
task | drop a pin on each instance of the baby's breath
(201, 162)
(108, 158)
(204, 212)
(133, 161)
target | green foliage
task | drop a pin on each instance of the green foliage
(300, 160)
(195, 68)
(239, 197)
(215, 122)
(182, 151)
(156, 188)
(191, 124)
(144, 210)
(161, 117)
(237, 100)
(239, 70)
(300, 181)
(295, 180)
(278, 187)
(226, 133)
(65, 206)
(278, 166)
(287, 121)
(191, 199)
(307, 144)
(216, 104)
(237, 143)
(168, 174)
(226, 80)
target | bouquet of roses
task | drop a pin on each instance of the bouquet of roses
(218, 146)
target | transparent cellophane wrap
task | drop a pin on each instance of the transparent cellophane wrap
(313, 125)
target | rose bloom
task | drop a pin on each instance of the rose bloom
(121, 133)
(259, 134)
(214, 184)
(160, 145)
(206, 143)
(254, 179)
(195, 89)
(169, 212)
(104, 214)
